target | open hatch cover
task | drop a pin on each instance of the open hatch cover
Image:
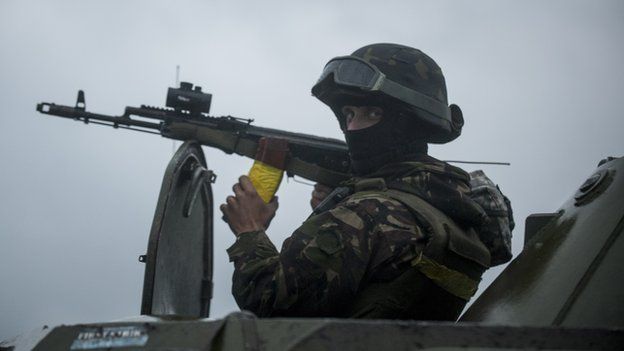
(178, 263)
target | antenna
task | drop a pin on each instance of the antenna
(480, 162)
(177, 84)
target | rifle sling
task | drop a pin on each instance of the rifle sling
(238, 143)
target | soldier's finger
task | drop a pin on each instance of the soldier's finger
(224, 209)
(322, 188)
(230, 200)
(274, 204)
(237, 189)
(317, 195)
(314, 203)
(246, 184)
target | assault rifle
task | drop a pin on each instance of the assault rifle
(185, 117)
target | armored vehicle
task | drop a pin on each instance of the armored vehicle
(564, 291)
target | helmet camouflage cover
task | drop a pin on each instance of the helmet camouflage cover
(414, 73)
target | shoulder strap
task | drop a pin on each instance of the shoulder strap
(445, 236)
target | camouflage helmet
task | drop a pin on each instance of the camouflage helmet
(399, 78)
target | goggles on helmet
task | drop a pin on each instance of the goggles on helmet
(354, 72)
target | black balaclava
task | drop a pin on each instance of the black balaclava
(390, 140)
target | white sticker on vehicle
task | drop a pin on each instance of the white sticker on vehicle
(110, 337)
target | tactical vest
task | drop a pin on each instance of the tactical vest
(446, 273)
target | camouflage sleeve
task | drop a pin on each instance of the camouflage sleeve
(325, 261)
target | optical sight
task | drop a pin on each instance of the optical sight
(187, 98)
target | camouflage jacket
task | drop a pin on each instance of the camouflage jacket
(341, 262)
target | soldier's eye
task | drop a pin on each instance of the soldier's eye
(348, 113)
(375, 113)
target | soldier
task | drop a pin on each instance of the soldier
(403, 244)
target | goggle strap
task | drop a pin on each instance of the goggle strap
(415, 98)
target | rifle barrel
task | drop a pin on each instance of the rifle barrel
(79, 114)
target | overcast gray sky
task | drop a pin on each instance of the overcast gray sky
(540, 84)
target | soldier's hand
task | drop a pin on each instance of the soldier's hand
(246, 211)
(319, 194)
